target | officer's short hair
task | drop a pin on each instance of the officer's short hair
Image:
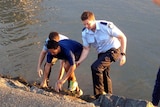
(87, 15)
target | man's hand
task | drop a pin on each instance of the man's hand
(58, 85)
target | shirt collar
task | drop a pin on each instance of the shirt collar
(97, 27)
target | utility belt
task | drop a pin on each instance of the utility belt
(113, 53)
(112, 50)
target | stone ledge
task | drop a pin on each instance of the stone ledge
(84, 101)
(119, 101)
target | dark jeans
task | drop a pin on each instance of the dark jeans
(156, 90)
(100, 72)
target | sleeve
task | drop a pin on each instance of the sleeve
(71, 58)
(49, 57)
(113, 29)
(45, 48)
(84, 40)
(61, 37)
(45, 45)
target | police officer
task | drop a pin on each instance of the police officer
(110, 43)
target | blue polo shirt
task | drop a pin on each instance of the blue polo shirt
(104, 37)
(70, 51)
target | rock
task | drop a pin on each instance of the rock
(120, 101)
(17, 92)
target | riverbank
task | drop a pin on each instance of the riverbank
(16, 92)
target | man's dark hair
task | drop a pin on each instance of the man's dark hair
(52, 44)
(53, 35)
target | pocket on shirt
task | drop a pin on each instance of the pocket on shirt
(90, 39)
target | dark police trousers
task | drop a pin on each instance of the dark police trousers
(100, 72)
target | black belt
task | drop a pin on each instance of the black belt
(112, 50)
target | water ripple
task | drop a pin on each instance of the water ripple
(15, 21)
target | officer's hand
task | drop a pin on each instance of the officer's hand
(77, 64)
(122, 60)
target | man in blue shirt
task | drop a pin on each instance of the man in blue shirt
(52, 36)
(69, 51)
(110, 43)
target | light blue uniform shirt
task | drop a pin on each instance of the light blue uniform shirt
(61, 37)
(104, 37)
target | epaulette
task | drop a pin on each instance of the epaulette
(83, 28)
(104, 23)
